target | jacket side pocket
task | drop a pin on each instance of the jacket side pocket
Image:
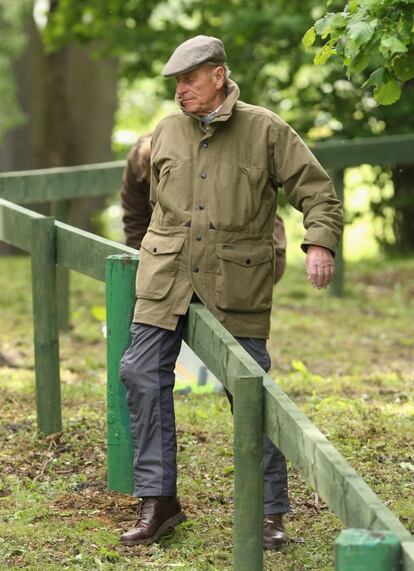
(158, 265)
(244, 280)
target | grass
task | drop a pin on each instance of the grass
(347, 363)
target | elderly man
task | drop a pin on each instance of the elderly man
(216, 166)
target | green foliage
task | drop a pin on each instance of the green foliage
(143, 34)
(262, 40)
(370, 32)
(263, 43)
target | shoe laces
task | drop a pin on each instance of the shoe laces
(141, 508)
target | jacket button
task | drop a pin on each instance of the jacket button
(198, 238)
(201, 206)
(155, 249)
(196, 270)
(248, 261)
(203, 175)
(205, 145)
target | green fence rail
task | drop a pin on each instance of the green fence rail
(53, 244)
(64, 183)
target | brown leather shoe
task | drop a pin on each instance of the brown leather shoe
(274, 534)
(156, 516)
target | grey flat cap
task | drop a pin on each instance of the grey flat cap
(193, 53)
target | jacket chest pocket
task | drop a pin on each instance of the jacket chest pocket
(244, 280)
(158, 265)
(174, 190)
(235, 196)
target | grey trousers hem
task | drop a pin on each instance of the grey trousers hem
(154, 493)
(275, 508)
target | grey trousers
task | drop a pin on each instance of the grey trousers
(147, 370)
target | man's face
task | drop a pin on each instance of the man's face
(201, 90)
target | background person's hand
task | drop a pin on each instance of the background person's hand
(320, 266)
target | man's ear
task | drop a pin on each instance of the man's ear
(219, 76)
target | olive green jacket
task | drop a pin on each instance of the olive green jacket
(137, 210)
(214, 194)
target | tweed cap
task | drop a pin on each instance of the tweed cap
(194, 52)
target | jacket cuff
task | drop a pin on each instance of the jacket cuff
(318, 237)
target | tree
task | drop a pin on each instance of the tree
(11, 46)
(263, 42)
(370, 32)
(262, 38)
(374, 40)
(66, 100)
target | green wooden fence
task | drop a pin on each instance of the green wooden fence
(54, 244)
(65, 183)
(60, 185)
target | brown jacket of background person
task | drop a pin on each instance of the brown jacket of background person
(137, 209)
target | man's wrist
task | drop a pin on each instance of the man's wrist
(313, 247)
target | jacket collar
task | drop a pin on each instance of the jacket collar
(227, 107)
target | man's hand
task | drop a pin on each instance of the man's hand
(320, 266)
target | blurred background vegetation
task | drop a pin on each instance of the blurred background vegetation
(80, 81)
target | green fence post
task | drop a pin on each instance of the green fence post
(337, 286)
(248, 473)
(120, 298)
(365, 550)
(60, 211)
(45, 322)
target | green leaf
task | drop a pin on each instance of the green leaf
(338, 21)
(377, 77)
(322, 24)
(361, 32)
(388, 93)
(392, 45)
(359, 63)
(350, 50)
(326, 25)
(309, 38)
(404, 25)
(323, 54)
(404, 67)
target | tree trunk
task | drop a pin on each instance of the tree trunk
(90, 105)
(403, 202)
(69, 98)
(24, 148)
